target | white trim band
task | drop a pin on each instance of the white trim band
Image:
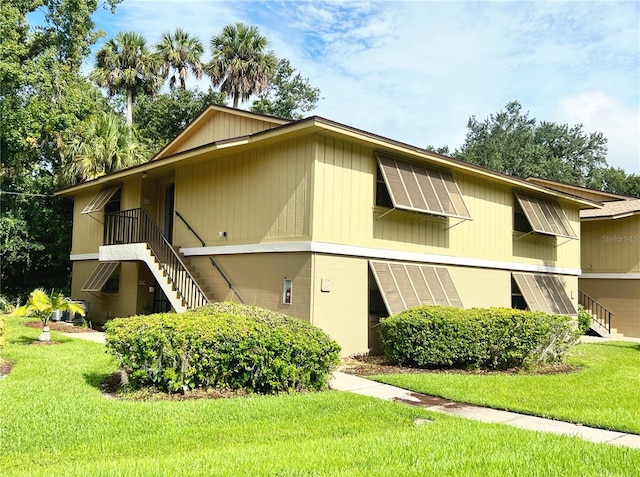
(612, 276)
(84, 256)
(377, 253)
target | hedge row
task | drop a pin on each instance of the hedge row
(223, 346)
(485, 338)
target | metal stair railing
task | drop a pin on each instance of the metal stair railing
(599, 314)
(213, 262)
(137, 226)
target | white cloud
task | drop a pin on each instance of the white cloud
(598, 111)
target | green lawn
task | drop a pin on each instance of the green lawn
(604, 393)
(55, 422)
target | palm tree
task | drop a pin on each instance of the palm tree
(125, 65)
(239, 63)
(103, 144)
(181, 52)
(42, 306)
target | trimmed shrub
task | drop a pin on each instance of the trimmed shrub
(584, 320)
(486, 338)
(223, 346)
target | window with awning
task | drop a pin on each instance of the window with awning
(545, 215)
(99, 277)
(544, 293)
(101, 199)
(403, 285)
(419, 188)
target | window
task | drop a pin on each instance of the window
(383, 199)
(101, 199)
(520, 221)
(114, 203)
(545, 216)
(404, 285)
(543, 293)
(418, 188)
(99, 279)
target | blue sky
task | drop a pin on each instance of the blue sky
(415, 71)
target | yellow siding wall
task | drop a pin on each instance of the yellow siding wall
(342, 312)
(621, 297)
(344, 212)
(256, 196)
(88, 228)
(611, 246)
(102, 305)
(220, 126)
(258, 279)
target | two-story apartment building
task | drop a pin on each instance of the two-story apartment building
(321, 221)
(610, 257)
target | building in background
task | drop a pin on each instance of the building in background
(610, 257)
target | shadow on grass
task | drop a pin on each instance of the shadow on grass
(96, 380)
(620, 344)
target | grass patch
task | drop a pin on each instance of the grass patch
(55, 421)
(604, 392)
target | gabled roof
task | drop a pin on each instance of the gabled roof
(613, 210)
(311, 125)
(578, 191)
(206, 116)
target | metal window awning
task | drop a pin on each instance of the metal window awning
(544, 293)
(99, 277)
(545, 216)
(403, 285)
(101, 199)
(419, 188)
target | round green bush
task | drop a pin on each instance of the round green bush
(486, 338)
(223, 346)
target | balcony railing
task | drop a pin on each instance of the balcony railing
(137, 226)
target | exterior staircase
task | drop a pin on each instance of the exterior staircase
(133, 235)
(600, 316)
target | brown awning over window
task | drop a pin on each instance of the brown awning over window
(101, 199)
(544, 293)
(545, 216)
(99, 277)
(404, 285)
(422, 189)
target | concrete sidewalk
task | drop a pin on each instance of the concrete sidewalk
(347, 382)
(95, 336)
(355, 384)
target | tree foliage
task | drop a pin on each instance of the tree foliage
(100, 145)
(288, 95)
(180, 53)
(125, 65)
(162, 118)
(42, 97)
(240, 63)
(511, 142)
